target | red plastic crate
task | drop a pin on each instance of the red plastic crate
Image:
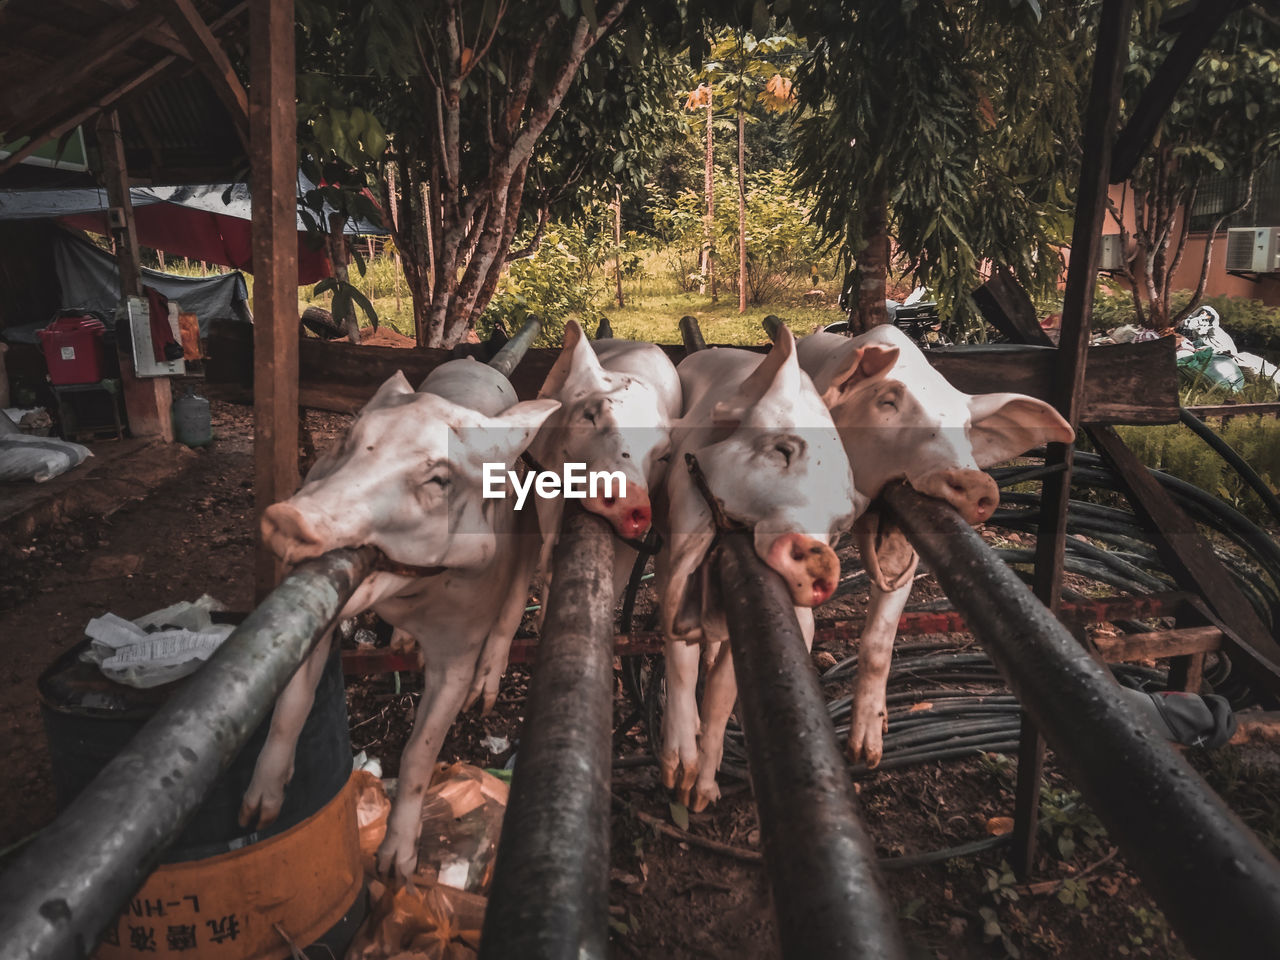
(73, 349)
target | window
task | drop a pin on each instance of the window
(1220, 192)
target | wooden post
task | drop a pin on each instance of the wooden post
(1101, 119)
(272, 136)
(147, 401)
(617, 244)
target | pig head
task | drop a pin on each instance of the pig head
(617, 402)
(905, 421)
(407, 480)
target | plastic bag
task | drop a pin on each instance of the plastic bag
(157, 648)
(37, 458)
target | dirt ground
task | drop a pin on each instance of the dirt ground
(669, 897)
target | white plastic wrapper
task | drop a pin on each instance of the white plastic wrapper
(180, 638)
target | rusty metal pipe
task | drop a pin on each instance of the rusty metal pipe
(512, 352)
(62, 891)
(772, 327)
(550, 894)
(821, 864)
(1217, 885)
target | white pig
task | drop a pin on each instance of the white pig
(901, 420)
(618, 399)
(407, 480)
(771, 456)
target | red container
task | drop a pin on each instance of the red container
(73, 349)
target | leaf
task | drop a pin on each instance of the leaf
(324, 286)
(569, 8)
(680, 815)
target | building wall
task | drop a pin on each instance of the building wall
(1220, 283)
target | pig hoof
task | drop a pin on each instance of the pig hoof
(396, 861)
(259, 810)
(866, 749)
(669, 767)
(704, 795)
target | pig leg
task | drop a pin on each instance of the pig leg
(445, 686)
(492, 663)
(274, 768)
(718, 697)
(875, 651)
(680, 719)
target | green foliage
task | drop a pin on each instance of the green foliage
(563, 278)
(1153, 938)
(968, 112)
(782, 243)
(1069, 823)
(1176, 450)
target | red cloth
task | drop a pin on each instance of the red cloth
(200, 235)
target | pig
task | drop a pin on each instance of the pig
(407, 479)
(618, 400)
(771, 456)
(900, 419)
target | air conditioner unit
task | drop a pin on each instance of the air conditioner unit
(1253, 249)
(1112, 254)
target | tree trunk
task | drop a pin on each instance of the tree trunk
(617, 245)
(873, 259)
(708, 266)
(742, 217)
(338, 257)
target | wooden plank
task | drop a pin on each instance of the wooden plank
(147, 401)
(1159, 643)
(274, 183)
(1189, 557)
(1198, 28)
(1126, 383)
(1006, 306)
(204, 49)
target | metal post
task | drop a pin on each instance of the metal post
(692, 335)
(73, 879)
(513, 351)
(550, 895)
(1215, 883)
(826, 891)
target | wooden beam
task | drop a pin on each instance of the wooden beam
(1158, 643)
(1102, 112)
(212, 60)
(57, 128)
(148, 402)
(1197, 32)
(274, 182)
(1006, 306)
(1126, 383)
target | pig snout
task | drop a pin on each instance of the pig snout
(630, 515)
(972, 492)
(289, 534)
(809, 566)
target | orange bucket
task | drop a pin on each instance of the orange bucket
(248, 904)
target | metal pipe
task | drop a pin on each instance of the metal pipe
(63, 890)
(773, 327)
(508, 358)
(691, 333)
(1224, 450)
(604, 331)
(550, 894)
(821, 863)
(1212, 878)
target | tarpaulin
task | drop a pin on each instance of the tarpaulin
(189, 221)
(89, 280)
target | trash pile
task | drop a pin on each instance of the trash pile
(439, 913)
(1207, 354)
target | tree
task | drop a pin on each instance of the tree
(950, 127)
(1224, 124)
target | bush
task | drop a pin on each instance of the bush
(1176, 450)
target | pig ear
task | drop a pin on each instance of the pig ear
(858, 366)
(577, 366)
(776, 371)
(397, 385)
(1004, 425)
(509, 434)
